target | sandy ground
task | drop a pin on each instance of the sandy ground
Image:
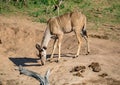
(18, 36)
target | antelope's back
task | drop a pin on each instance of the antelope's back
(78, 20)
(66, 22)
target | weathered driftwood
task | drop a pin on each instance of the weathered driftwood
(43, 80)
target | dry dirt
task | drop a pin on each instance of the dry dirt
(18, 36)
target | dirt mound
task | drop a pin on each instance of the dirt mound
(14, 31)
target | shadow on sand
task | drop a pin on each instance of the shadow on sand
(25, 61)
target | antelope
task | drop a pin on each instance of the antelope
(57, 27)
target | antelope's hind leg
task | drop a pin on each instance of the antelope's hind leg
(85, 36)
(87, 45)
(79, 38)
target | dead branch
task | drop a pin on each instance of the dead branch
(42, 80)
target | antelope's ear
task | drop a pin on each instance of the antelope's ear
(38, 47)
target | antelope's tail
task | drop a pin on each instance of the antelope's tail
(84, 31)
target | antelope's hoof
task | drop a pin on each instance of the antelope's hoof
(87, 53)
(75, 56)
(57, 61)
(50, 60)
(42, 63)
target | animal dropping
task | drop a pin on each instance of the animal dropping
(95, 66)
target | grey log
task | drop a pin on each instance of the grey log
(43, 80)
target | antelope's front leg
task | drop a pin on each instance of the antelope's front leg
(60, 37)
(54, 47)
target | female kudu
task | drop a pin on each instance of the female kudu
(58, 26)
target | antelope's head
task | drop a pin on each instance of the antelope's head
(42, 53)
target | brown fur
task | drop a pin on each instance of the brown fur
(67, 23)
(58, 26)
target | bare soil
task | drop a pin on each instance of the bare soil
(19, 34)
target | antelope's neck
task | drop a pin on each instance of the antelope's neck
(46, 38)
